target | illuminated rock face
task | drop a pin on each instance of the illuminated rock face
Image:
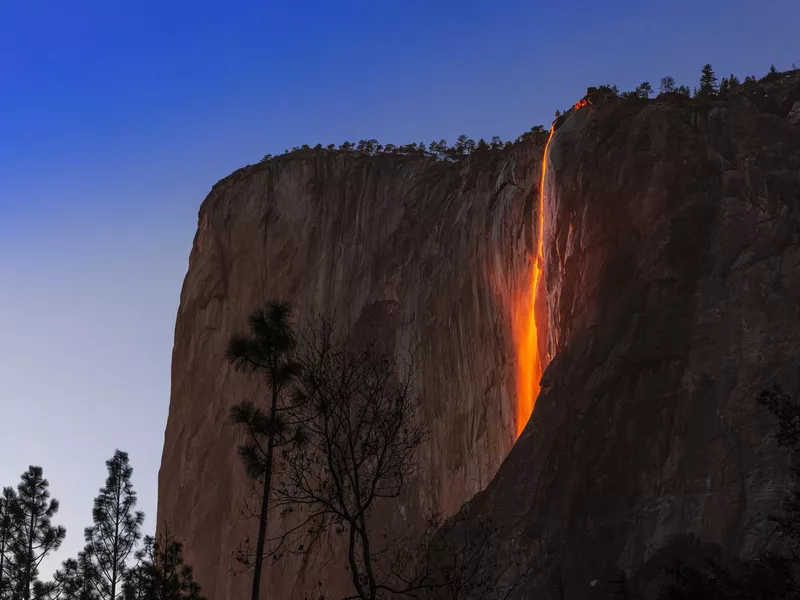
(420, 254)
(672, 267)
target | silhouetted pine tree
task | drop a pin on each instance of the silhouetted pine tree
(117, 526)
(161, 573)
(266, 350)
(36, 535)
(8, 522)
(77, 578)
(708, 81)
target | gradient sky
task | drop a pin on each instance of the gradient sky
(117, 117)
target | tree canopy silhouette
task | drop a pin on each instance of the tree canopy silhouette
(267, 350)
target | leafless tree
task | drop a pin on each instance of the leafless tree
(361, 434)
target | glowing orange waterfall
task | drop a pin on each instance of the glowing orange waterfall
(526, 334)
(530, 365)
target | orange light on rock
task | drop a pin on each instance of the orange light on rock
(530, 365)
(581, 103)
(526, 332)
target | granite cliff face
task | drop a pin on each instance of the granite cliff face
(670, 298)
(672, 268)
(423, 255)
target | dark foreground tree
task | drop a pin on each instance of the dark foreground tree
(117, 526)
(8, 535)
(36, 535)
(77, 578)
(266, 350)
(161, 573)
(362, 433)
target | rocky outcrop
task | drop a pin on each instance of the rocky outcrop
(672, 247)
(421, 254)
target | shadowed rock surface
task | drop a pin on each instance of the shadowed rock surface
(672, 247)
(672, 252)
(420, 254)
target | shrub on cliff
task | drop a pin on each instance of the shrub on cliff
(644, 89)
(667, 85)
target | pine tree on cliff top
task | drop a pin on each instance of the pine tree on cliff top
(267, 350)
(117, 526)
(708, 81)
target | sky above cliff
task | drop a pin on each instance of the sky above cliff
(116, 119)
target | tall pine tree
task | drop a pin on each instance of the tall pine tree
(267, 350)
(116, 529)
(36, 535)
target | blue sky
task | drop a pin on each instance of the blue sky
(117, 117)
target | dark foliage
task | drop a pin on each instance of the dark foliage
(161, 573)
(708, 81)
(116, 528)
(267, 350)
(35, 535)
(667, 85)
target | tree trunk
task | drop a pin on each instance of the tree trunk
(29, 556)
(362, 526)
(262, 521)
(2, 563)
(373, 589)
(116, 546)
(351, 556)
